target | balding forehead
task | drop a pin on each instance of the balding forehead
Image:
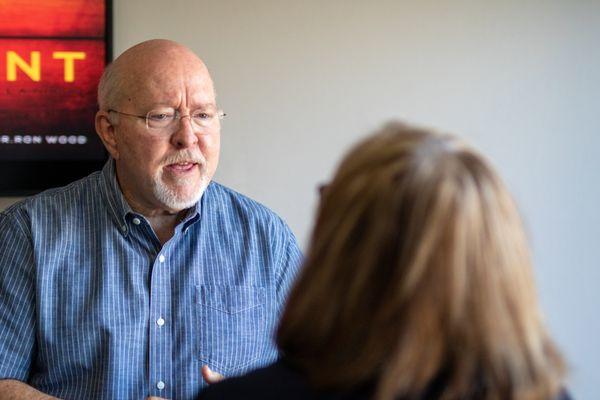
(153, 69)
(153, 48)
(159, 55)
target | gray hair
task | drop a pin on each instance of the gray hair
(111, 87)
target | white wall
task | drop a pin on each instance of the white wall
(301, 81)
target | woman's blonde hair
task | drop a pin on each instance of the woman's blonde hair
(418, 277)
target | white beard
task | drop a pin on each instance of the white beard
(174, 200)
(168, 193)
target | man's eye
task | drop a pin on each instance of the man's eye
(202, 115)
(160, 116)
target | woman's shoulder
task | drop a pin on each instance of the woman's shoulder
(274, 381)
(279, 380)
(564, 395)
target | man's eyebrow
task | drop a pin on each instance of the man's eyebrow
(205, 106)
(161, 104)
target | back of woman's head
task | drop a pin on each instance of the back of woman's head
(418, 275)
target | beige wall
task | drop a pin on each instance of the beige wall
(302, 80)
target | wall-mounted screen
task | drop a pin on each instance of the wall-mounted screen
(52, 54)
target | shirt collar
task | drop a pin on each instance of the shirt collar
(120, 209)
(116, 203)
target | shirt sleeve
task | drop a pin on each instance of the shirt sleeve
(291, 260)
(17, 300)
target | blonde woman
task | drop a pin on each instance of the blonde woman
(417, 285)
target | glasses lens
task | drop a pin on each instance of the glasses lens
(202, 118)
(160, 119)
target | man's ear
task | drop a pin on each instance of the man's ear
(106, 130)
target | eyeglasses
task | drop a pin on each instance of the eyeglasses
(164, 121)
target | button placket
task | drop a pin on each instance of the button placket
(160, 338)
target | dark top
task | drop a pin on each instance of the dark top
(281, 381)
(276, 381)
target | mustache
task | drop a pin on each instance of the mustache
(185, 156)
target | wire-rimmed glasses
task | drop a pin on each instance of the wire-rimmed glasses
(164, 121)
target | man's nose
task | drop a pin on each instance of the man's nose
(185, 135)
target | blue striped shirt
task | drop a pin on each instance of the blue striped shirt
(92, 306)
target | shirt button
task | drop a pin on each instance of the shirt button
(160, 385)
(136, 221)
(161, 258)
(160, 321)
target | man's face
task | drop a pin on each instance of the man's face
(167, 169)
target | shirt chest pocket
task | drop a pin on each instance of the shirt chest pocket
(232, 328)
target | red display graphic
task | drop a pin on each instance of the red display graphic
(52, 54)
(52, 18)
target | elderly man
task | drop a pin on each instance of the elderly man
(125, 284)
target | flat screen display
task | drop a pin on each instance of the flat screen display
(52, 54)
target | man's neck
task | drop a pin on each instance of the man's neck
(164, 225)
(162, 221)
